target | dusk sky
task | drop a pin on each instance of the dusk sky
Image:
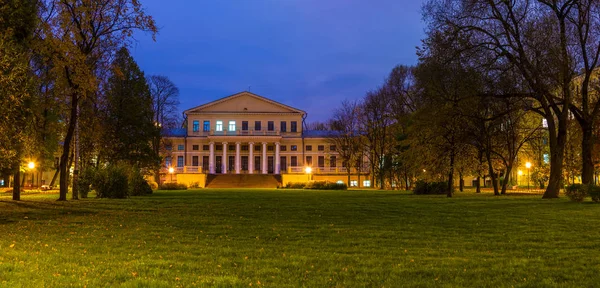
(309, 54)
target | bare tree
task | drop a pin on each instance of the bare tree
(344, 134)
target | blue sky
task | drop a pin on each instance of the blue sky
(309, 54)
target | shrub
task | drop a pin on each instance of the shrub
(297, 185)
(594, 192)
(433, 188)
(172, 186)
(137, 184)
(576, 192)
(153, 185)
(85, 180)
(326, 185)
(111, 182)
(195, 185)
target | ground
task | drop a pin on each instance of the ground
(292, 238)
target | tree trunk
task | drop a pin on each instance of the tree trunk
(17, 183)
(54, 177)
(557, 148)
(506, 179)
(451, 175)
(64, 158)
(478, 185)
(491, 171)
(461, 184)
(587, 143)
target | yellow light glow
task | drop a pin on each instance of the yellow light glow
(520, 172)
(31, 165)
(171, 170)
(424, 170)
(308, 170)
(528, 165)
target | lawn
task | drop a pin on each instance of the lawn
(292, 238)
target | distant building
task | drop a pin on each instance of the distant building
(251, 135)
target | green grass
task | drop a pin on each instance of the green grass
(292, 238)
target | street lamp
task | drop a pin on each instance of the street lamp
(308, 171)
(31, 166)
(528, 165)
(171, 170)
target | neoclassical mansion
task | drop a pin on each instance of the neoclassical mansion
(251, 135)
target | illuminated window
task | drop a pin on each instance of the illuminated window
(353, 183)
(544, 123)
(180, 147)
(179, 161)
(231, 126)
(367, 183)
(339, 182)
(219, 126)
(206, 127)
(196, 126)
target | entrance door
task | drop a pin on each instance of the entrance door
(219, 164)
(231, 164)
(270, 165)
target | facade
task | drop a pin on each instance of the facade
(249, 134)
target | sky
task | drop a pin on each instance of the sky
(308, 54)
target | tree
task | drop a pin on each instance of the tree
(79, 38)
(344, 134)
(129, 121)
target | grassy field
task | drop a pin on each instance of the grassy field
(293, 238)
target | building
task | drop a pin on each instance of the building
(247, 134)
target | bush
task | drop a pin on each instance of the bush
(137, 184)
(85, 180)
(111, 182)
(297, 185)
(195, 185)
(433, 188)
(172, 186)
(594, 192)
(326, 185)
(576, 192)
(153, 185)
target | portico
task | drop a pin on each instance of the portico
(238, 152)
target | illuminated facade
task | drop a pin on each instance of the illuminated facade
(249, 134)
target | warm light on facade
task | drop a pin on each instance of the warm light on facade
(520, 173)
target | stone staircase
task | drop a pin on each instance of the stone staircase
(243, 181)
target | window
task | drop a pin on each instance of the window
(180, 147)
(294, 161)
(194, 160)
(283, 126)
(294, 126)
(219, 126)
(244, 125)
(308, 160)
(308, 147)
(293, 148)
(256, 147)
(271, 126)
(179, 161)
(332, 148)
(231, 126)
(367, 183)
(283, 148)
(168, 161)
(205, 147)
(353, 183)
(339, 182)
(231, 147)
(269, 148)
(206, 127)
(544, 123)
(257, 125)
(321, 148)
(195, 147)
(245, 148)
(332, 162)
(219, 147)
(321, 161)
(196, 126)
(168, 147)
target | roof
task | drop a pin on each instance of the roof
(319, 133)
(243, 93)
(174, 132)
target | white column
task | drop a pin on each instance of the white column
(277, 160)
(224, 160)
(251, 158)
(238, 158)
(264, 158)
(211, 158)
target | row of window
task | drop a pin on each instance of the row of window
(283, 161)
(180, 147)
(232, 126)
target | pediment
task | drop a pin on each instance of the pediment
(244, 102)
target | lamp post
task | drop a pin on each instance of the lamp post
(171, 170)
(31, 166)
(308, 171)
(528, 166)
